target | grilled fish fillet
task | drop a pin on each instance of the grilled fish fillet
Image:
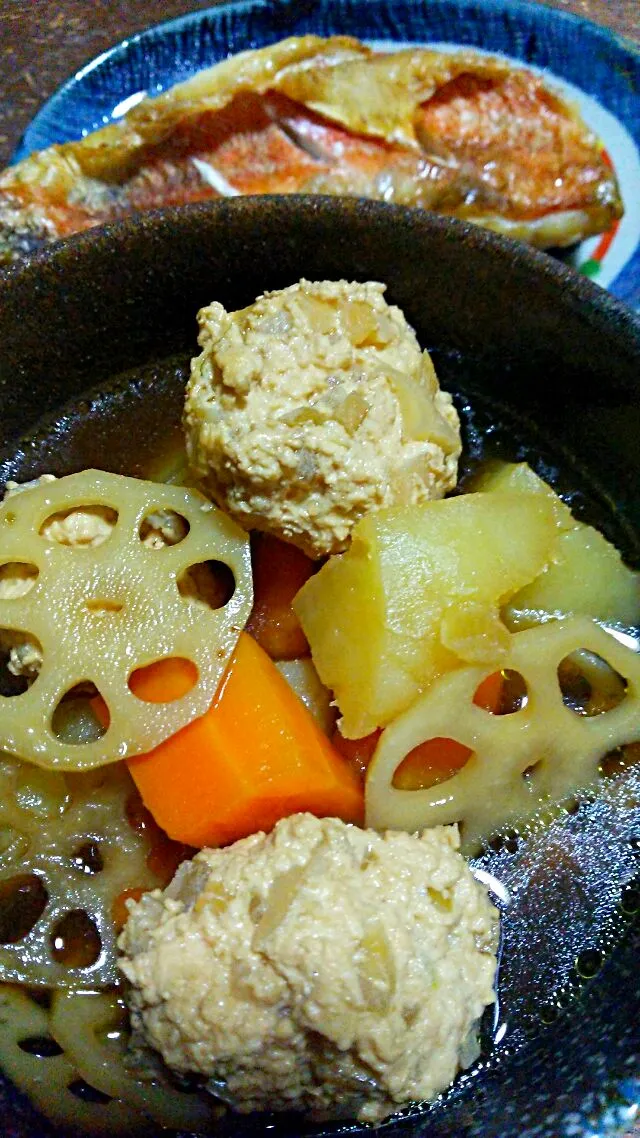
(462, 134)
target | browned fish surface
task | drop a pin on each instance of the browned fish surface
(460, 134)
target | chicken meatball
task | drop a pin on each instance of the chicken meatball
(313, 406)
(320, 968)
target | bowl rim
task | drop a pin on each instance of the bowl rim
(507, 251)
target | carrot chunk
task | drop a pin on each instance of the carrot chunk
(279, 571)
(119, 910)
(256, 756)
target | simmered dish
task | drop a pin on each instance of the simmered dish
(256, 719)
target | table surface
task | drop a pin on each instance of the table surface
(41, 43)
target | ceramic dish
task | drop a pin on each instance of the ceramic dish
(590, 65)
(553, 380)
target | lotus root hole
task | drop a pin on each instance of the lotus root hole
(86, 1093)
(75, 940)
(511, 696)
(165, 680)
(163, 527)
(17, 579)
(618, 761)
(529, 774)
(589, 685)
(209, 583)
(508, 840)
(40, 1046)
(430, 763)
(87, 858)
(80, 527)
(104, 607)
(20, 661)
(81, 716)
(23, 899)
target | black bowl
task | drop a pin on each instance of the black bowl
(95, 336)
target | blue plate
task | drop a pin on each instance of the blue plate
(598, 70)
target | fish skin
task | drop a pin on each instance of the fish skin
(465, 135)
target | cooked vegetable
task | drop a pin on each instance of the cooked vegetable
(21, 1018)
(428, 763)
(256, 756)
(92, 1029)
(519, 478)
(302, 677)
(279, 571)
(586, 575)
(518, 764)
(66, 846)
(376, 615)
(98, 609)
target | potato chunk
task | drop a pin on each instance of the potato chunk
(519, 478)
(587, 576)
(375, 616)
